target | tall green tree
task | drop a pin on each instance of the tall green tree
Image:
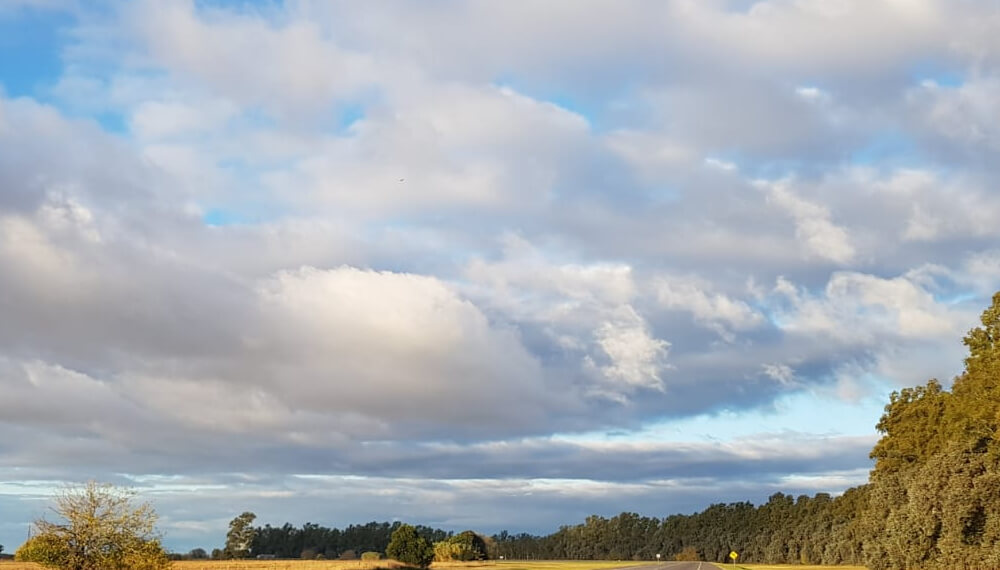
(240, 536)
(410, 548)
(977, 415)
(934, 500)
(913, 427)
(468, 545)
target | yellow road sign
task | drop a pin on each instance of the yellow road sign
(733, 555)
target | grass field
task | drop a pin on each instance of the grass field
(787, 567)
(492, 565)
(366, 565)
(555, 564)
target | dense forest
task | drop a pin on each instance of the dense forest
(311, 540)
(808, 530)
(932, 500)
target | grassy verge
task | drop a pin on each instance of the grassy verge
(368, 565)
(390, 565)
(785, 567)
(561, 564)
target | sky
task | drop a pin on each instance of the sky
(487, 265)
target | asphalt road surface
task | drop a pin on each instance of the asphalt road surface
(674, 566)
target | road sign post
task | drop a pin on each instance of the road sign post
(734, 555)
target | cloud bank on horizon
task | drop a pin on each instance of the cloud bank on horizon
(480, 264)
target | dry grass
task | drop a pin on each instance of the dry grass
(786, 567)
(389, 564)
(246, 565)
(559, 564)
(366, 565)
(287, 565)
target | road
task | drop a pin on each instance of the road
(673, 566)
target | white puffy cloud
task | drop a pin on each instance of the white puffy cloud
(892, 328)
(292, 69)
(164, 119)
(445, 147)
(936, 206)
(780, 372)
(632, 357)
(585, 310)
(712, 309)
(854, 306)
(962, 113)
(820, 237)
(393, 346)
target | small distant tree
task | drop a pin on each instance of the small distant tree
(98, 527)
(471, 546)
(240, 536)
(406, 546)
(445, 551)
(217, 554)
(687, 554)
(349, 554)
(198, 554)
(371, 555)
(464, 546)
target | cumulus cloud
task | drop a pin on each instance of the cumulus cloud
(395, 346)
(712, 309)
(633, 358)
(584, 310)
(819, 235)
(249, 59)
(897, 306)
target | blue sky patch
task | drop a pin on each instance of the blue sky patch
(349, 114)
(938, 73)
(221, 217)
(887, 147)
(574, 103)
(30, 46)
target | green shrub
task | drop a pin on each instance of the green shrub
(408, 547)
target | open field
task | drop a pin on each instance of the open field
(366, 565)
(555, 564)
(537, 565)
(369, 565)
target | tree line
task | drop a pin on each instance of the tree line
(934, 495)
(315, 541)
(784, 530)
